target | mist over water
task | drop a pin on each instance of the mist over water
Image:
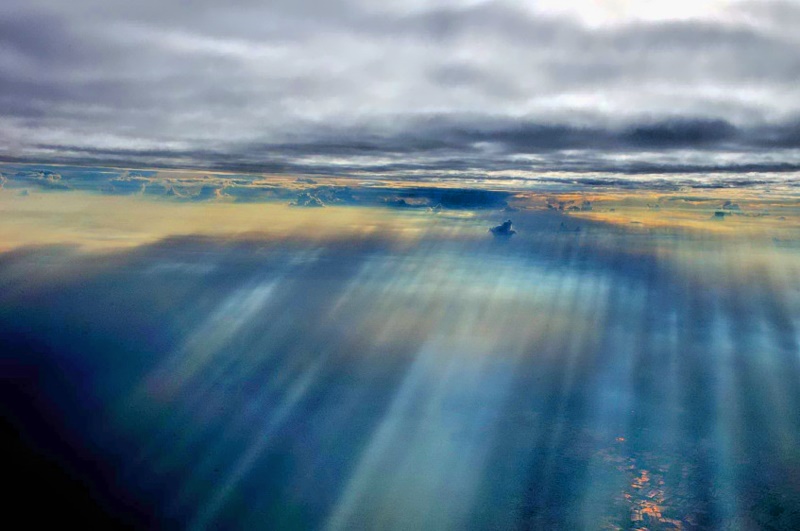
(400, 265)
(609, 377)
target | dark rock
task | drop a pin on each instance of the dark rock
(503, 230)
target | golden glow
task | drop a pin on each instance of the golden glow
(748, 211)
(100, 222)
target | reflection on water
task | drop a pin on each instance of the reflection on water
(604, 378)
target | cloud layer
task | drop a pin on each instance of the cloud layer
(345, 86)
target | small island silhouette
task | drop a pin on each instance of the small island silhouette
(503, 230)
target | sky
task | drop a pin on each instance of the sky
(187, 340)
(403, 87)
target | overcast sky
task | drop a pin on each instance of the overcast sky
(402, 85)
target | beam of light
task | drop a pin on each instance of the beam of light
(610, 376)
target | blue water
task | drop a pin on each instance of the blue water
(596, 380)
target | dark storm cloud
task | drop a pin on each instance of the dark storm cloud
(344, 86)
(441, 144)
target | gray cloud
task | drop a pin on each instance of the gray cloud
(347, 86)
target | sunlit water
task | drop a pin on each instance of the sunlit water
(604, 378)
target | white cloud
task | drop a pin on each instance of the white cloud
(159, 75)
